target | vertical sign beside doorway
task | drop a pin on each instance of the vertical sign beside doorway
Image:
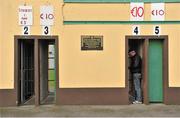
(137, 11)
(25, 18)
(46, 19)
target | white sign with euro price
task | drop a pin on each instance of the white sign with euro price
(46, 15)
(136, 30)
(157, 12)
(25, 15)
(136, 11)
(156, 30)
(26, 30)
(46, 30)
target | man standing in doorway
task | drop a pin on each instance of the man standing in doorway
(135, 69)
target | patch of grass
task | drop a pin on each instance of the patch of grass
(51, 79)
(51, 74)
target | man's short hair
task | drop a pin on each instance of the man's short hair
(130, 50)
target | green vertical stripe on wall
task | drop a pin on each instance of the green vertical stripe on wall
(122, 1)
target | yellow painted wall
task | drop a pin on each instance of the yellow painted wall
(106, 68)
(79, 69)
(93, 68)
(10, 27)
(113, 12)
(0, 46)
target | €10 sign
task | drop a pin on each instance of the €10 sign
(157, 12)
(46, 15)
(137, 11)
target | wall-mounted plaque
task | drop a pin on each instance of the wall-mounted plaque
(91, 42)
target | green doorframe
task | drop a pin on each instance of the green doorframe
(145, 70)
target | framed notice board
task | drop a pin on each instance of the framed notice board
(91, 42)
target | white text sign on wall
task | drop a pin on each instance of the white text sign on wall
(137, 11)
(157, 12)
(25, 15)
(46, 15)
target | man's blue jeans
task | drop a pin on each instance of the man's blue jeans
(137, 86)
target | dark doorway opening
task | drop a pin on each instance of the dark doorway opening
(154, 53)
(36, 69)
(47, 71)
(138, 46)
(26, 70)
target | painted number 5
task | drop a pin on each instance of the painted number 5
(157, 30)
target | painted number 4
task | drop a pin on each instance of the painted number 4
(136, 30)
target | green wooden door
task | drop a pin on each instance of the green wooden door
(155, 71)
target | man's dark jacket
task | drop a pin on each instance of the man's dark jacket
(135, 65)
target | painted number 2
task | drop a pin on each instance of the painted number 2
(136, 30)
(26, 30)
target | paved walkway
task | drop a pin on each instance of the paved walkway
(158, 110)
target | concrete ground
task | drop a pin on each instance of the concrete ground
(158, 110)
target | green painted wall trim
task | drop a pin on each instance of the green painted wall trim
(119, 22)
(120, 1)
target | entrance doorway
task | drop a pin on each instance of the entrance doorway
(47, 71)
(155, 71)
(154, 53)
(36, 69)
(26, 81)
(138, 46)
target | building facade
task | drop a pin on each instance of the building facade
(91, 40)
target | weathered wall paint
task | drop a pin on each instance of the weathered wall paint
(83, 69)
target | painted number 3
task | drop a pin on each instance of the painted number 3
(46, 30)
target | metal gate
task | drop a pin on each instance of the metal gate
(27, 69)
